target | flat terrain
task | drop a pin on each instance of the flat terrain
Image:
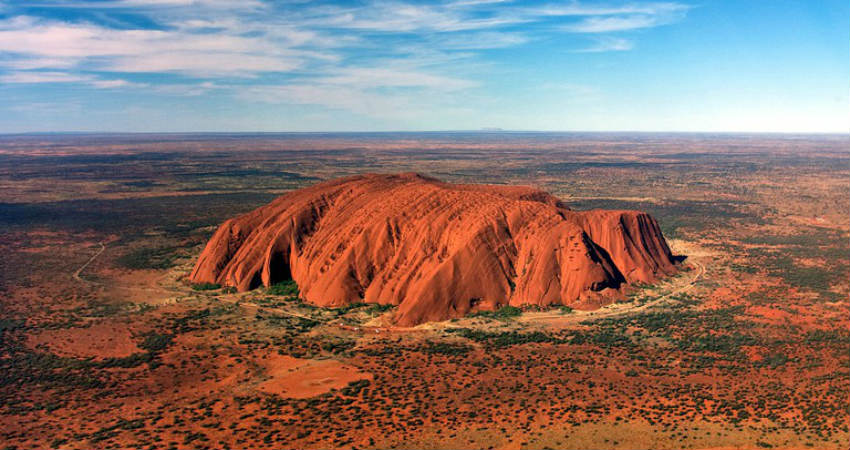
(104, 344)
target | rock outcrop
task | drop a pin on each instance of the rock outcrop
(437, 250)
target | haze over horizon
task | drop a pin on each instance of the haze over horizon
(254, 66)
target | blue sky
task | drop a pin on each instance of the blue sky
(255, 65)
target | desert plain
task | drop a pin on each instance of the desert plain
(107, 342)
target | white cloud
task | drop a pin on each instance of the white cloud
(412, 46)
(608, 44)
(609, 24)
(117, 83)
(40, 44)
(122, 4)
(385, 77)
(623, 18)
(467, 3)
(41, 63)
(578, 9)
(188, 89)
(38, 77)
(480, 40)
(202, 64)
(43, 77)
(407, 17)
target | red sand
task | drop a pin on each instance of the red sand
(300, 378)
(99, 341)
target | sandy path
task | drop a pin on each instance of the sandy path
(86, 264)
(158, 289)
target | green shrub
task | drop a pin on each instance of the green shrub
(505, 312)
(147, 258)
(505, 339)
(286, 288)
(446, 348)
(206, 286)
(156, 342)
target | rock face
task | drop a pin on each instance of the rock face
(437, 250)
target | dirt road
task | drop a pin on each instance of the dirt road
(83, 267)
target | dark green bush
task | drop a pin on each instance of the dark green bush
(156, 342)
(286, 288)
(206, 286)
(505, 312)
(147, 258)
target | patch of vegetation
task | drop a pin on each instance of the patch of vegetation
(505, 339)
(292, 323)
(355, 387)
(368, 308)
(147, 258)
(677, 217)
(205, 286)
(782, 253)
(445, 348)
(743, 268)
(154, 342)
(773, 360)
(503, 313)
(11, 324)
(723, 344)
(337, 347)
(287, 288)
(195, 318)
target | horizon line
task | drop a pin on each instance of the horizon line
(482, 131)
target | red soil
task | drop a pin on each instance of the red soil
(301, 378)
(99, 341)
(437, 250)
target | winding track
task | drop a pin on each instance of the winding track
(77, 275)
(86, 264)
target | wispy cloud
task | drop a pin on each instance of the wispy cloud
(44, 77)
(581, 9)
(123, 4)
(394, 17)
(364, 57)
(624, 18)
(608, 44)
(609, 24)
(118, 83)
(381, 77)
(36, 43)
(37, 77)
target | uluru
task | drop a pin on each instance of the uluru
(437, 250)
